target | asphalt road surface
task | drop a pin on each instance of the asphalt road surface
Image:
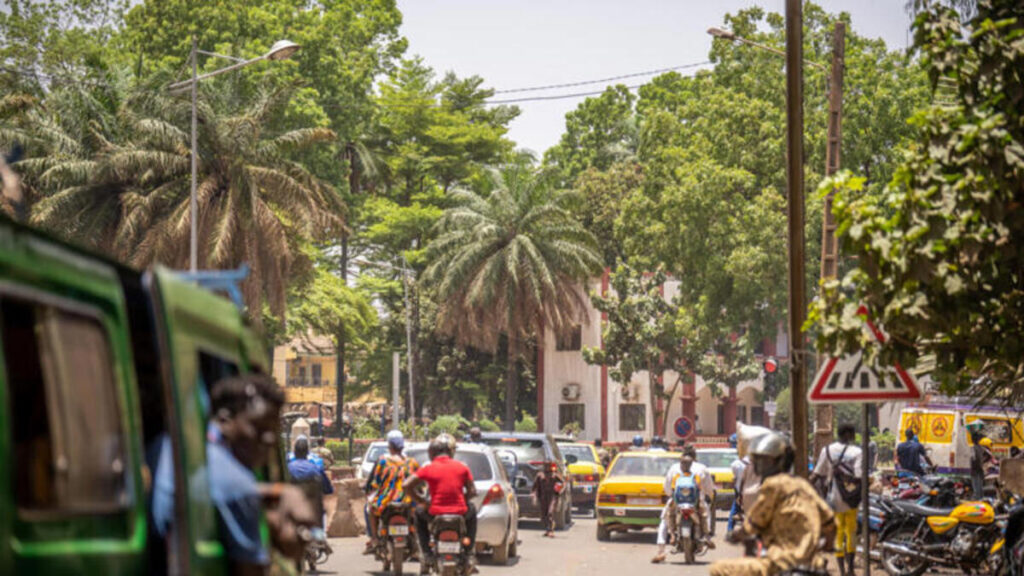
(575, 551)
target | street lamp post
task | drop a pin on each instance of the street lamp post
(281, 50)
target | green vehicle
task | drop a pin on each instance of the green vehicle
(98, 362)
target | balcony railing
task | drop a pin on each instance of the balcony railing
(306, 382)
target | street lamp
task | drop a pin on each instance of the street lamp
(407, 277)
(732, 37)
(281, 50)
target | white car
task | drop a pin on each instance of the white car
(373, 454)
(497, 530)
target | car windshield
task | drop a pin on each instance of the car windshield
(478, 462)
(642, 466)
(582, 453)
(375, 452)
(525, 450)
(716, 459)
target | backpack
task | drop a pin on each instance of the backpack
(845, 479)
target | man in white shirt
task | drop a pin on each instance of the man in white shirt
(839, 461)
(707, 491)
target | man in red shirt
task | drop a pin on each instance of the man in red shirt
(451, 487)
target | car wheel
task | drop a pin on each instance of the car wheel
(603, 533)
(501, 552)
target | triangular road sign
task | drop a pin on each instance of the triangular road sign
(848, 379)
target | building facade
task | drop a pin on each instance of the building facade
(570, 390)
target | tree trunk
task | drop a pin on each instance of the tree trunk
(414, 344)
(511, 384)
(668, 400)
(339, 374)
(652, 398)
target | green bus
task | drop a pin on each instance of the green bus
(97, 362)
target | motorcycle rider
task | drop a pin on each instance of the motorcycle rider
(387, 483)
(841, 455)
(912, 456)
(638, 442)
(791, 519)
(687, 460)
(667, 528)
(738, 466)
(981, 456)
(451, 488)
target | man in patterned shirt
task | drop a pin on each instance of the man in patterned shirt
(387, 483)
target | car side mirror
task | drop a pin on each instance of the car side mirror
(571, 459)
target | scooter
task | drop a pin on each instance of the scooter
(689, 530)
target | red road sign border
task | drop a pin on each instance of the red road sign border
(911, 393)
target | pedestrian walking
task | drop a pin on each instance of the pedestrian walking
(546, 487)
(839, 465)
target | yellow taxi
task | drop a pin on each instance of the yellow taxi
(719, 462)
(632, 494)
(585, 468)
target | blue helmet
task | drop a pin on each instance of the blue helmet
(732, 441)
(638, 441)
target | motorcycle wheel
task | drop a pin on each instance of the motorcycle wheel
(688, 550)
(897, 564)
(397, 559)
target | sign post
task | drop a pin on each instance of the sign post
(849, 380)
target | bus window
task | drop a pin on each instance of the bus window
(999, 430)
(69, 450)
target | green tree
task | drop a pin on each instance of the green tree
(938, 258)
(509, 262)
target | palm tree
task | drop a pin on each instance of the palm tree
(510, 262)
(130, 196)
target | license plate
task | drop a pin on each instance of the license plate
(645, 501)
(398, 530)
(686, 531)
(620, 512)
(449, 547)
(588, 489)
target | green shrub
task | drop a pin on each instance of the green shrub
(451, 424)
(572, 429)
(366, 429)
(488, 426)
(527, 424)
(340, 451)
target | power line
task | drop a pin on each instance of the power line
(603, 80)
(556, 97)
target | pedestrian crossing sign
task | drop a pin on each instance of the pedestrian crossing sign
(850, 379)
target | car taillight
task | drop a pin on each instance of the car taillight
(448, 536)
(588, 478)
(495, 494)
(612, 499)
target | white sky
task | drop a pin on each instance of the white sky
(521, 43)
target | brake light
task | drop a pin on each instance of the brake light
(611, 499)
(687, 513)
(495, 494)
(448, 536)
(589, 478)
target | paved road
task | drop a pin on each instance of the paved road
(570, 553)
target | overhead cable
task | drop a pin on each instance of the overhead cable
(603, 80)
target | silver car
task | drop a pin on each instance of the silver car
(374, 452)
(497, 531)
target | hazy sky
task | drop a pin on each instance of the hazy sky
(524, 43)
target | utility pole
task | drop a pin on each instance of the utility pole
(396, 378)
(795, 213)
(829, 245)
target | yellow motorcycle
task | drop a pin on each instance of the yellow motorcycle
(968, 537)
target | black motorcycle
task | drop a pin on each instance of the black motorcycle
(450, 541)
(395, 542)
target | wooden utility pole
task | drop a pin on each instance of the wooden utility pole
(829, 246)
(795, 213)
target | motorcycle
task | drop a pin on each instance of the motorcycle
(450, 541)
(395, 542)
(689, 529)
(930, 491)
(317, 550)
(968, 536)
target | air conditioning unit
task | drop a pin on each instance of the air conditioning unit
(571, 392)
